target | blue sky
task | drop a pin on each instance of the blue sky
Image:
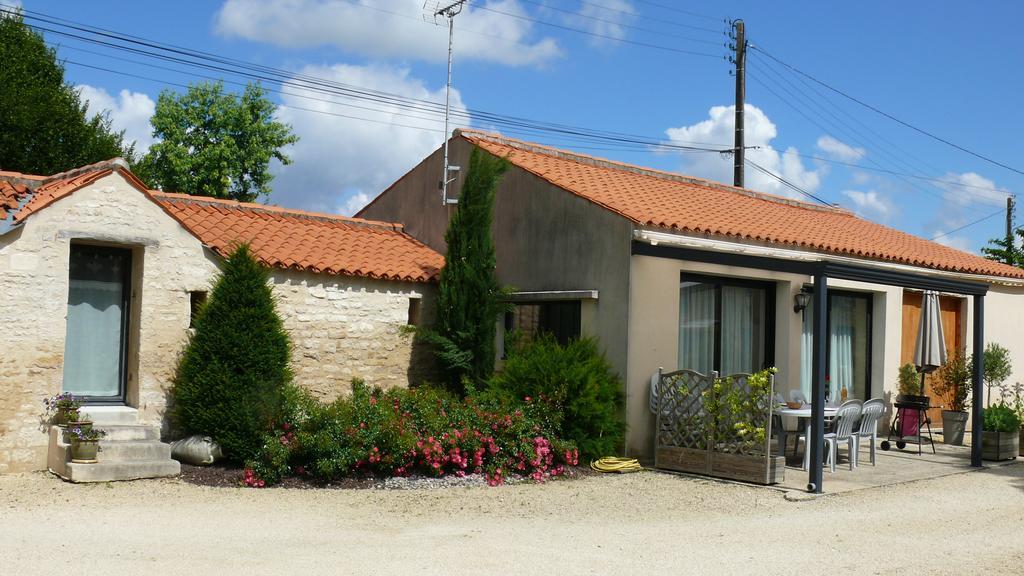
(946, 67)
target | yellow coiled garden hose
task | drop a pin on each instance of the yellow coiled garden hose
(615, 464)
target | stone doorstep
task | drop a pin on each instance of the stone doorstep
(129, 452)
(107, 415)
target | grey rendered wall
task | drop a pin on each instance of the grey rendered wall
(546, 238)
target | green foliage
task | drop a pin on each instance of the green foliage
(44, 127)
(577, 384)
(1006, 249)
(469, 296)
(909, 380)
(953, 380)
(231, 381)
(394, 433)
(1013, 396)
(739, 413)
(214, 143)
(997, 367)
(1000, 418)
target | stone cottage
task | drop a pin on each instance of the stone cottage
(100, 277)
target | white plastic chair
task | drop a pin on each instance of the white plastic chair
(871, 412)
(842, 431)
(797, 396)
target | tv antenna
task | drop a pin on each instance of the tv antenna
(449, 11)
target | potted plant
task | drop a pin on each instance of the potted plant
(85, 443)
(62, 408)
(953, 381)
(909, 383)
(997, 369)
(1014, 397)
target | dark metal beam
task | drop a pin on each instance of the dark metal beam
(979, 367)
(818, 357)
(726, 258)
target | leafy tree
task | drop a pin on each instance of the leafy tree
(231, 379)
(469, 296)
(1006, 250)
(44, 128)
(997, 368)
(213, 143)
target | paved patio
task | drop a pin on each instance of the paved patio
(892, 467)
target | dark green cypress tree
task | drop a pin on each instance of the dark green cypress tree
(469, 296)
(231, 378)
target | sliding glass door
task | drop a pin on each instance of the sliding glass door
(848, 344)
(94, 347)
(724, 325)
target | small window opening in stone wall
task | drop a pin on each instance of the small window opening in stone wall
(196, 300)
(414, 312)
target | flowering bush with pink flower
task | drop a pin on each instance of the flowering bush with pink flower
(423, 431)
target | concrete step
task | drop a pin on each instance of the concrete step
(127, 432)
(111, 471)
(104, 415)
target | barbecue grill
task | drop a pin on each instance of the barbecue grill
(911, 417)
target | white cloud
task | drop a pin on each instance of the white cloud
(840, 150)
(871, 204)
(341, 162)
(355, 203)
(389, 28)
(718, 130)
(966, 197)
(958, 242)
(130, 112)
(606, 19)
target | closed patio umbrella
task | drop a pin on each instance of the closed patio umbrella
(930, 350)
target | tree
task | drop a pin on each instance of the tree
(469, 296)
(213, 143)
(997, 368)
(1006, 250)
(44, 127)
(231, 379)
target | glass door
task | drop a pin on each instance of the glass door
(96, 340)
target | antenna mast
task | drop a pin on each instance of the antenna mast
(449, 11)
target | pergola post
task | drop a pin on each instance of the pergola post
(977, 388)
(818, 370)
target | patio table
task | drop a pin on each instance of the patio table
(802, 415)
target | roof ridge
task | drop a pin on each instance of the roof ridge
(642, 170)
(116, 163)
(209, 200)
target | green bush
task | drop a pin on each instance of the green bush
(1000, 418)
(402, 431)
(953, 380)
(909, 380)
(231, 380)
(576, 382)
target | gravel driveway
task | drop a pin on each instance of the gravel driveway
(648, 523)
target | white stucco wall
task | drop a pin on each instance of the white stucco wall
(341, 327)
(1004, 324)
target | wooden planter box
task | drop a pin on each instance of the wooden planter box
(1000, 445)
(756, 469)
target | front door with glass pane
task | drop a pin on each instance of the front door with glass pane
(95, 346)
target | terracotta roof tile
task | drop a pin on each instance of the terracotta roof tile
(700, 207)
(301, 240)
(11, 197)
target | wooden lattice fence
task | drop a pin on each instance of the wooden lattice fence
(716, 426)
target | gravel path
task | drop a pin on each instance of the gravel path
(642, 523)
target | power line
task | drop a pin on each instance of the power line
(890, 116)
(652, 19)
(785, 182)
(679, 10)
(594, 34)
(978, 221)
(623, 24)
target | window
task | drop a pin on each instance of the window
(725, 325)
(848, 346)
(559, 318)
(196, 299)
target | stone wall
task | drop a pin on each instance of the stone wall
(341, 327)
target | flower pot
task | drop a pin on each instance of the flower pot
(1000, 445)
(84, 451)
(954, 423)
(62, 417)
(85, 425)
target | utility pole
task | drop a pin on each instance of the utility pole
(449, 11)
(739, 38)
(1011, 249)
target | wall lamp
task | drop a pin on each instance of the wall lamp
(801, 300)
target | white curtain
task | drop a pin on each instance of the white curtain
(739, 343)
(696, 327)
(92, 349)
(841, 351)
(807, 350)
